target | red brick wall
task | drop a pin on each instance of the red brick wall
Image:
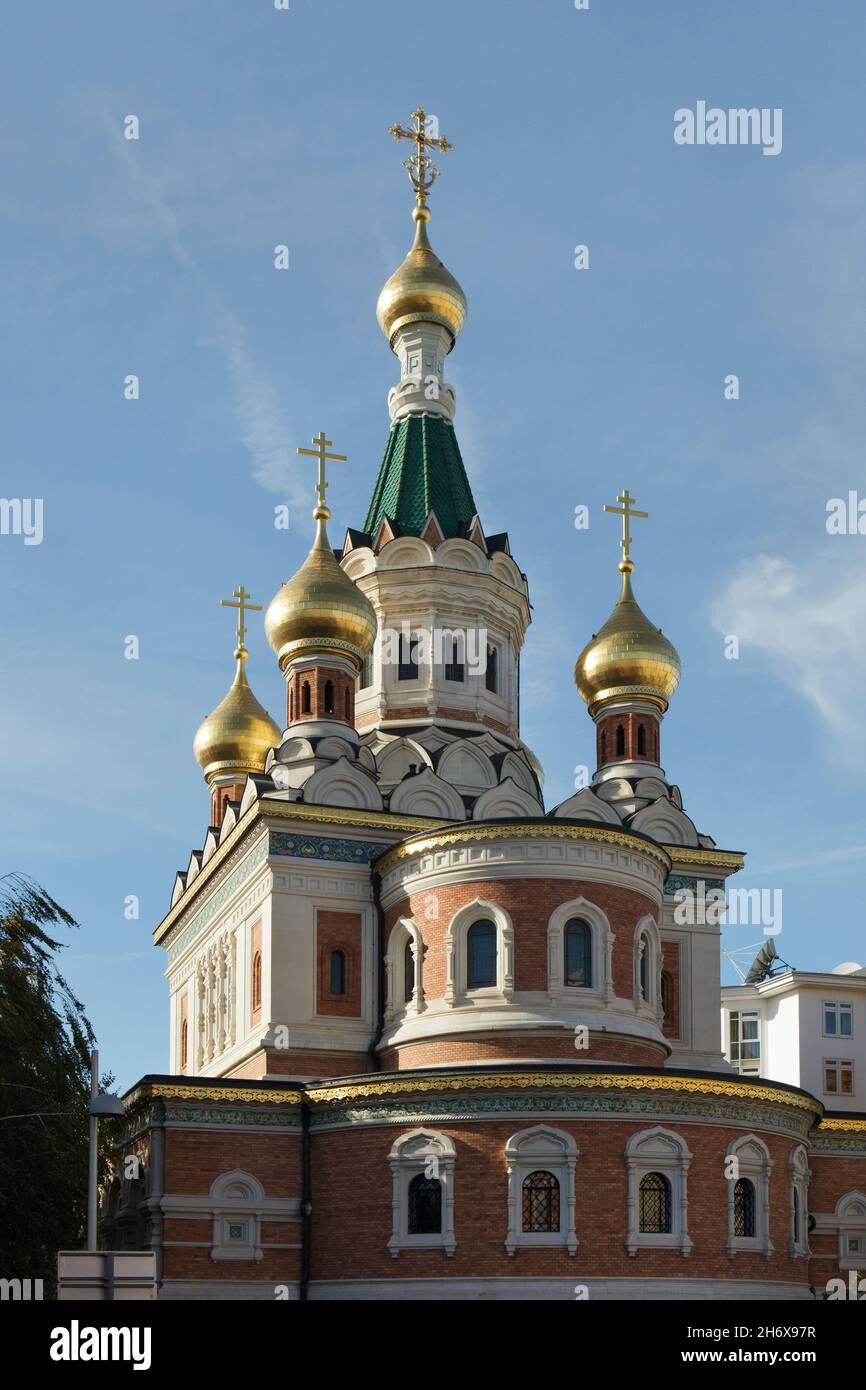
(311, 1063)
(530, 904)
(317, 678)
(832, 1178)
(630, 723)
(338, 931)
(350, 1236)
(538, 1046)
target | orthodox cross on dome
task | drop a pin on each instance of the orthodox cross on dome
(321, 453)
(419, 166)
(240, 601)
(626, 511)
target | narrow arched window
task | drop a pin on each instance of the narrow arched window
(305, 698)
(338, 972)
(641, 739)
(643, 972)
(620, 741)
(796, 1195)
(257, 981)
(329, 697)
(425, 1206)
(667, 996)
(491, 677)
(655, 1204)
(184, 1038)
(408, 972)
(481, 955)
(348, 705)
(407, 667)
(367, 672)
(540, 1202)
(603, 758)
(744, 1207)
(454, 668)
(578, 953)
(291, 705)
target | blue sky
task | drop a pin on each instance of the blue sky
(155, 257)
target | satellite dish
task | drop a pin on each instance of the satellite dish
(766, 964)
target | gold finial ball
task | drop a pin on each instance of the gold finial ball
(238, 735)
(628, 658)
(422, 289)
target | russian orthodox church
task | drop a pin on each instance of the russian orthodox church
(430, 1039)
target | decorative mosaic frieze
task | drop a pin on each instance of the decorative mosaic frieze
(324, 847)
(674, 883)
(235, 1117)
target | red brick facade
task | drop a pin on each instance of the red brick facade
(632, 737)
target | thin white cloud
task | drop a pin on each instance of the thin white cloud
(808, 621)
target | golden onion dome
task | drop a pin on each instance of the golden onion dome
(320, 609)
(421, 289)
(239, 733)
(629, 658)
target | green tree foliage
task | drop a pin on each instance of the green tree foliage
(45, 1042)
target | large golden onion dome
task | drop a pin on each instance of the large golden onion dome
(629, 658)
(320, 609)
(421, 289)
(239, 733)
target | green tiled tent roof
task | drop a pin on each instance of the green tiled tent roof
(422, 472)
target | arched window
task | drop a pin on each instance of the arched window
(425, 1206)
(367, 672)
(620, 741)
(338, 972)
(491, 674)
(481, 955)
(667, 996)
(603, 758)
(184, 1040)
(744, 1207)
(291, 705)
(455, 669)
(348, 705)
(655, 1204)
(407, 668)
(257, 981)
(408, 972)
(329, 697)
(796, 1215)
(540, 1202)
(305, 698)
(578, 953)
(643, 947)
(641, 739)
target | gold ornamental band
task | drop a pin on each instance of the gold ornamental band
(548, 830)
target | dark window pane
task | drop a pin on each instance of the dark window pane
(408, 973)
(407, 669)
(338, 972)
(490, 675)
(744, 1207)
(655, 1204)
(578, 953)
(481, 955)
(540, 1202)
(425, 1206)
(454, 668)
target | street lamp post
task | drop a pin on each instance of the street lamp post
(99, 1105)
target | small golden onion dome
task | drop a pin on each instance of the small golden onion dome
(421, 289)
(320, 610)
(237, 736)
(629, 658)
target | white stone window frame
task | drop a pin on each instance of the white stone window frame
(236, 1198)
(541, 1148)
(396, 1003)
(410, 1156)
(658, 1150)
(800, 1173)
(456, 962)
(647, 936)
(755, 1164)
(850, 1220)
(837, 1005)
(601, 954)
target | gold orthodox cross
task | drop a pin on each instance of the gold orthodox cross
(321, 453)
(419, 166)
(243, 607)
(626, 511)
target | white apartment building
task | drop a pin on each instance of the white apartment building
(804, 1028)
